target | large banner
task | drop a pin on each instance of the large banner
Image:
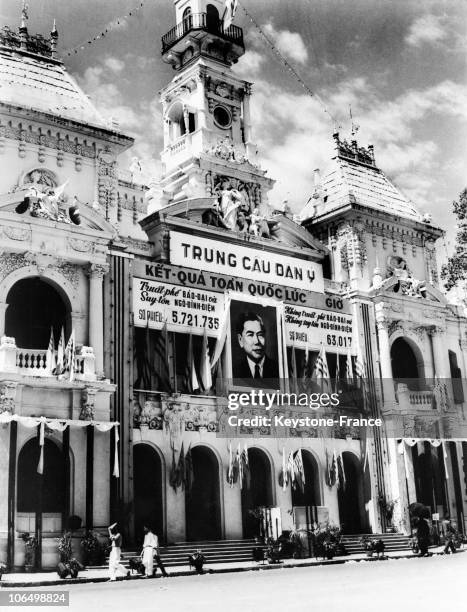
(309, 327)
(244, 262)
(191, 310)
(183, 308)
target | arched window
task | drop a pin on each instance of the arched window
(178, 125)
(187, 19)
(212, 18)
(34, 306)
(53, 478)
(407, 363)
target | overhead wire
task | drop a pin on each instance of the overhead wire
(292, 70)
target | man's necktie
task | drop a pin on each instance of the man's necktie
(257, 371)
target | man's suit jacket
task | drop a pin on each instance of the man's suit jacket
(241, 369)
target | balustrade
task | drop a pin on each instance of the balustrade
(36, 362)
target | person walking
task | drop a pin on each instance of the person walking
(423, 537)
(450, 536)
(115, 553)
(150, 553)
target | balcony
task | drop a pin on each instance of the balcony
(34, 362)
(199, 21)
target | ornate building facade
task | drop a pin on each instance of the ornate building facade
(122, 310)
(384, 250)
(63, 205)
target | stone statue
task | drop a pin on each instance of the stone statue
(258, 224)
(230, 201)
(408, 284)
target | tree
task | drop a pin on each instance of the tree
(454, 272)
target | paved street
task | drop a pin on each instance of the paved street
(436, 583)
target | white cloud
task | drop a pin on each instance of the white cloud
(427, 29)
(294, 134)
(107, 98)
(289, 43)
(249, 64)
(114, 64)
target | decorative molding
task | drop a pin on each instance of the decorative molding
(97, 270)
(395, 326)
(88, 401)
(52, 142)
(351, 243)
(17, 233)
(8, 396)
(82, 246)
(9, 262)
(69, 271)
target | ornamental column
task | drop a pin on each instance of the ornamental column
(440, 353)
(246, 114)
(385, 361)
(3, 307)
(96, 314)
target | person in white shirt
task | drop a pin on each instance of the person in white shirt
(151, 551)
(115, 553)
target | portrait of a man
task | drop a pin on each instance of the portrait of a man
(254, 343)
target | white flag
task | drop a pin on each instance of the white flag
(50, 360)
(70, 355)
(205, 369)
(229, 12)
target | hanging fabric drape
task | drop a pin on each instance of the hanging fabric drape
(220, 342)
(60, 425)
(40, 465)
(116, 471)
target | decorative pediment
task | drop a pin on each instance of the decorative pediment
(274, 229)
(410, 287)
(28, 203)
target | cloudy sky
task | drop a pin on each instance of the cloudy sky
(400, 64)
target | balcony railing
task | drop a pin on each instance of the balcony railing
(200, 21)
(34, 362)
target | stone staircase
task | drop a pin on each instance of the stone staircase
(232, 551)
(393, 542)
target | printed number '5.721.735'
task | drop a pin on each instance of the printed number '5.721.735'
(194, 320)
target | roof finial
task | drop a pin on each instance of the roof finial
(53, 41)
(24, 13)
(23, 30)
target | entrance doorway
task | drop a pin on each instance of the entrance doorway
(428, 465)
(350, 497)
(259, 493)
(51, 499)
(310, 495)
(147, 491)
(202, 503)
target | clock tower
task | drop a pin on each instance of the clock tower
(208, 145)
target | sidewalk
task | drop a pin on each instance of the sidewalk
(101, 575)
